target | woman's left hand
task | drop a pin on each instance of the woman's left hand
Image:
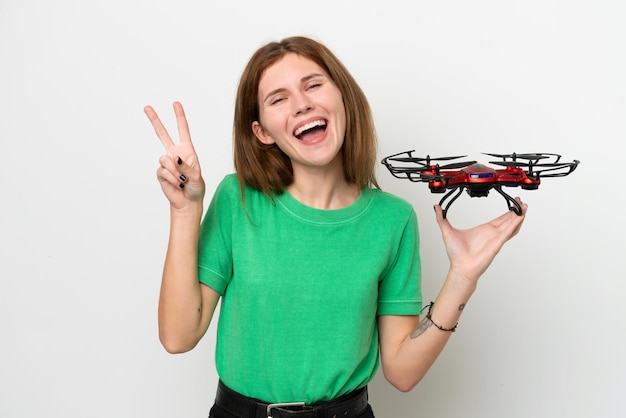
(471, 251)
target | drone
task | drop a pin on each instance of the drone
(518, 170)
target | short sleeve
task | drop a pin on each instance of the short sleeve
(400, 289)
(215, 259)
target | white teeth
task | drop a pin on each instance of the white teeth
(309, 126)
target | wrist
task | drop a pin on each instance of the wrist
(460, 282)
(429, 317)
(193, 208)
(188, 217)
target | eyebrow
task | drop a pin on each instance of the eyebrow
(302, 81)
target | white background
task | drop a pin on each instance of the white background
(83, 223)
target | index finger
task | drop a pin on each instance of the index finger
(159, 128)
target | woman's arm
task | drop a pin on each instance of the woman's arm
(409, 346)
(185, 306)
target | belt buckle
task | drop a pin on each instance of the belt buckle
(281, 405)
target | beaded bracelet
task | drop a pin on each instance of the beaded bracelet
(428, 315)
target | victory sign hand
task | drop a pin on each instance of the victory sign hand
(179, 172)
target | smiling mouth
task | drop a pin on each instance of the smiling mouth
(310, 130)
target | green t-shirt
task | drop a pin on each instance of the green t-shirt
(302, 288)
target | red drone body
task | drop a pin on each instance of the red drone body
(520, 170)
(479, 179)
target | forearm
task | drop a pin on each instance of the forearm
(423, 342)
(447, 308)
(180, 302)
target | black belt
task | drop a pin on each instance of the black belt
(347, 406)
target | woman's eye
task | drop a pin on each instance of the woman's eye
(276, 100)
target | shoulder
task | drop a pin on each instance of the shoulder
(229, 183)
(228, 197)
(388, 202)
(229, 188)
(388, 210)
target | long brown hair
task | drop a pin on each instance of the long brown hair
(266, 167)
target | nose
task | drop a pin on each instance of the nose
(304, 109)
(302, 104)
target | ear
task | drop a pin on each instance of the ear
(261, 134)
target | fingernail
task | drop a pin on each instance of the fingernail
(181, 185)
(183, 177)
(180, 161)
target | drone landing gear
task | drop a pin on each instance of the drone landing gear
(512, 204)
(445, 208)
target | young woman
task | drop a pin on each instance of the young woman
(317, 269)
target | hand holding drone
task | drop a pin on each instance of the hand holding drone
(523, 170)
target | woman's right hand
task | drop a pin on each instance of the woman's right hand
(179, 172)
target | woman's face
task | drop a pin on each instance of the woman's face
(302, 112)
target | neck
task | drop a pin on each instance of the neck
(324, 189)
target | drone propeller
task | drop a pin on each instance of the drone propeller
(523, 164)
(454, 166)
(527, 156)
(427, 160)
(426, 171)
